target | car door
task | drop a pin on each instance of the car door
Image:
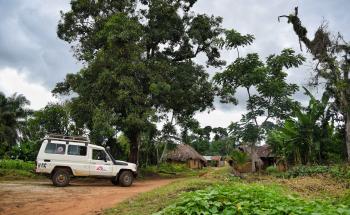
(78, 159)
(101, 164)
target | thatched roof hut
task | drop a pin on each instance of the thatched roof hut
(263, 155)
(186, 154)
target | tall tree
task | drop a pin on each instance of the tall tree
(13, 112)
(332, 56)
(268, 93)
(53, 118)
(138, 58)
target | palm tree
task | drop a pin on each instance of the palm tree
(12, 119)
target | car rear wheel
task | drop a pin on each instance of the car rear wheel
(61, 178)
(126, 178)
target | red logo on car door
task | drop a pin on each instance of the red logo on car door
(99, 168)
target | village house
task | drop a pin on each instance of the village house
(184, 153)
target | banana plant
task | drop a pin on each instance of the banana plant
(296, 138)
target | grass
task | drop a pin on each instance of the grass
(340, 172)
(307, 193)
(17, 170)
(12, 174)
(17, 164)
(240, 198)
(156, 200)
(168, 170)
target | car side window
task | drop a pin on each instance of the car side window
(77, 150)
(55, 148)
(99, 155)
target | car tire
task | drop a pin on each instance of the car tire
(61, 178)
(126, 178)
(114, 181)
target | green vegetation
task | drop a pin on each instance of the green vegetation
(238, 198)
(307, 136)
(272, 170)
(17, 164)
(336, 171)
(168, 170)
(12, 113)
(140, 70)
(331, 55)
(239, 157)
(218, 192)
(268, 95)
(140, 74)
(16, 169)
(153, 201)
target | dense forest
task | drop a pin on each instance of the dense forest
(141, 87)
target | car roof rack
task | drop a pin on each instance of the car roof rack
(61, 137)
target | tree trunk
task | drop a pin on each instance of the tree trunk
(347, 135)
(134, 147)
(253, 152)
(164, 152)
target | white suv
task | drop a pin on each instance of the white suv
(61, 157)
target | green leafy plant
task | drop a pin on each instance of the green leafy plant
(17, 165)
(16, 169)
(249, 199)
(272, 169)
(337, 171)
(239, 157)
(166, 169)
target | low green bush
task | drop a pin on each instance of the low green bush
(337, 171)
(248, 199)
(272, 170)
(173, 167)
(17, 165)
(165, 168)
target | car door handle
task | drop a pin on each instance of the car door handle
(45, 160)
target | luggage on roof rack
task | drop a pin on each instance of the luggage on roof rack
(67, 138)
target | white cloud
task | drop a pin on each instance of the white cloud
(12, 81)
(218, 118)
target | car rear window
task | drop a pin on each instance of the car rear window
(77, 150)
(55, 148)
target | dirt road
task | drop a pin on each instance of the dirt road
(81, 197)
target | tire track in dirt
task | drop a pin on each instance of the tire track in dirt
(81, 197)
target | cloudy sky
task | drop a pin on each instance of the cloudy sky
(33, 59)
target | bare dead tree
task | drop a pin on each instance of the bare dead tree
(332, 56)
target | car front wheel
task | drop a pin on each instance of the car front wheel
(126, 178)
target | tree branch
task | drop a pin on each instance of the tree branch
(249, 97)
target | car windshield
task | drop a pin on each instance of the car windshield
(110, 155)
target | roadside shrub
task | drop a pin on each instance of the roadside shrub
(248, 199)
(272, 170)
(173, 167)
(338, 171)
(17, 165)
(164, 168)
